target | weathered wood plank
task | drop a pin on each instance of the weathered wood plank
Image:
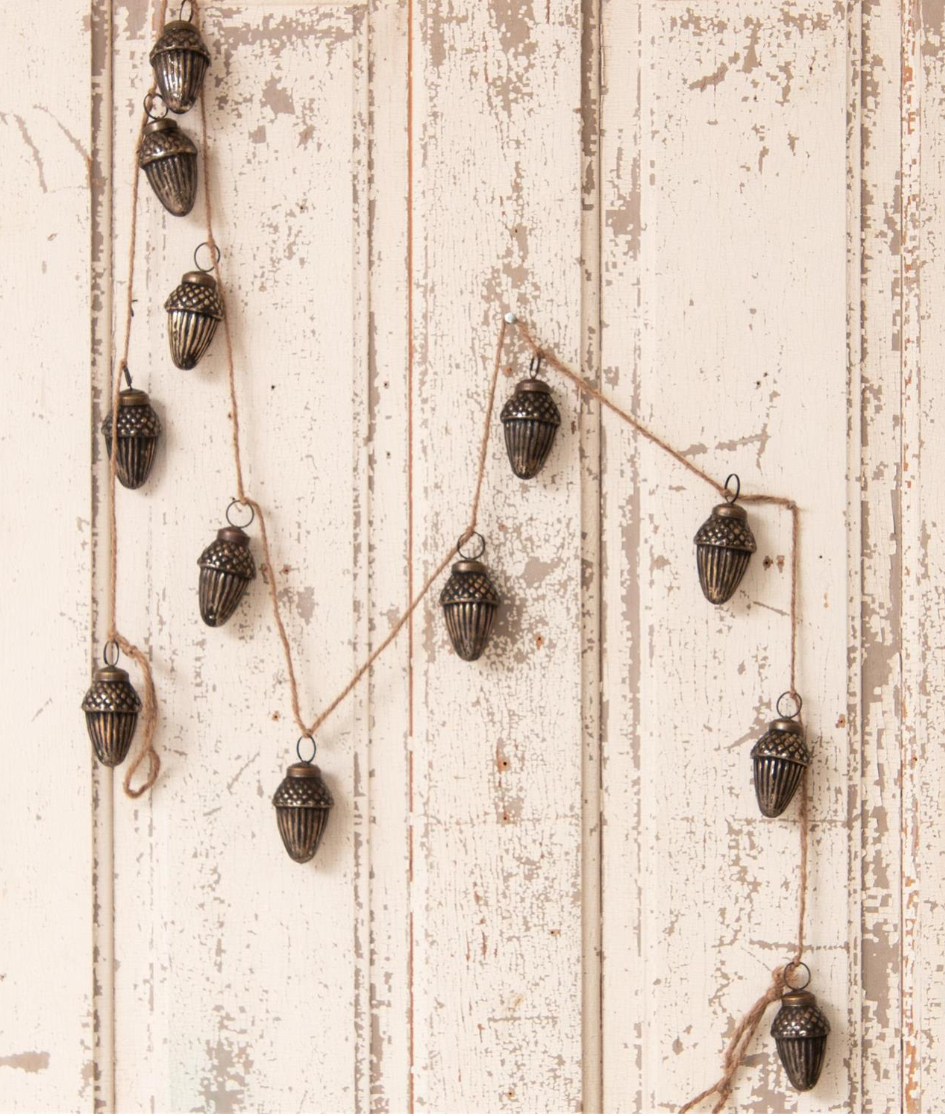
(735, 226)
(498, 744)
(46, 915)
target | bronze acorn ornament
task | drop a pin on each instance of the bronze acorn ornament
(226, 568)
(111, 706)
(180, 59)
(302, 803)
(800, 1030)
(168, 157)
(530, 419)
(469, 601)
(724, 544)
(139, 429)
(779, 758)
(194, 310)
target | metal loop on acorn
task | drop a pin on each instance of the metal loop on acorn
(105, 658)
(180, 11)
(463, 540)
(729, 495)
(126, 372)
(149, 105)
(534, 365)
(790, 968)
(213, 248)
(298, 748)
(252, 514)
(796, 698)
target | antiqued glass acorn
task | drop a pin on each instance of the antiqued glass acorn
(724, 544)
(168, 157)
(194, 310)
(139, 429)
(779, 759)
(111, 706)
(302, 803)
(800, 1031)
(226, 568)
(180, 59)
(530, 419)
(469, 601)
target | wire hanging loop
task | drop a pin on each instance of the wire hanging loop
(794, 696)
(211, 248)
(534, 365)
(105, 656)
(149, 105)
(188, 4)
(236, 503)
(790, 969)
(298, 748)
(464, 540)
(731, 495)
(126, 372)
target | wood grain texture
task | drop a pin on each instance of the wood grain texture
(46, 915)
(545, 886)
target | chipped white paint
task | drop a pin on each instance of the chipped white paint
(551, 890)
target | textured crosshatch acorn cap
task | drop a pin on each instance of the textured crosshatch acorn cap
(111, 692)
(303, 785)
(162, 139)
(799, 1017)
(136, 417)
(783, 739)
(469, 583)
(727, 526)
(229, 552)
(197, 291)
(532, 400)
(179, 34)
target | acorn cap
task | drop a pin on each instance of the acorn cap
(197, 291)
(799, 1017)
(162, 139)
(727, 526)
(469, 582)
(136, 417)
(783, 739)
(230, 553)
(179, 34)
(111, 692)
(532, 400)
(303, 786)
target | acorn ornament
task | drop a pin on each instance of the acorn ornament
(139, 430)
(724, 544)
(111, 706)
(194, 310)
(779, 759)
(800, 1031)
(168, 157)
(180, 59)
(302, 803)
(226, 568)
(530, 419)
(469, 601)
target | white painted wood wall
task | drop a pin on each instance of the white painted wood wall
(545, 885)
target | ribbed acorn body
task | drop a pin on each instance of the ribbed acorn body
(194, 310)
(800, 1030)
(302, 804)
(139, 429)
(724, 544)
(531, 419)
(169, 158)
(111, 708)
(469, 601)
(779, 758)
(180, 60)
(226, 568)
